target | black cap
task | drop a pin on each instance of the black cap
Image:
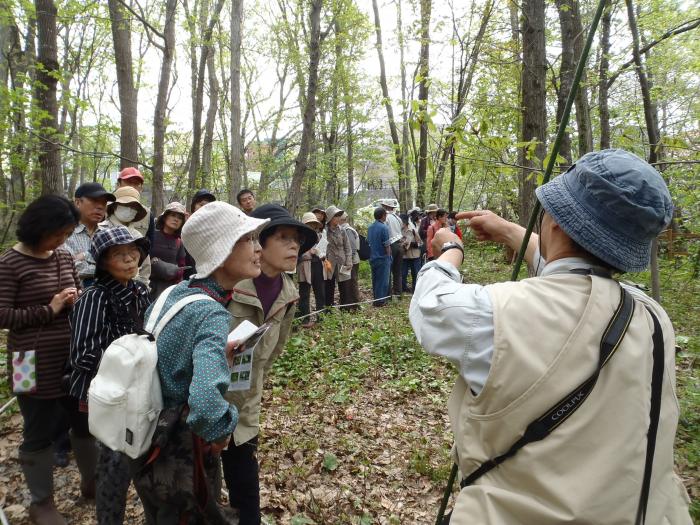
(279, 216)
(93, 190)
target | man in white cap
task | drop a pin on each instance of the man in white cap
(395, 226)
(566, 380)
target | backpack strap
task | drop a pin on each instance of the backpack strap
(157, 309)
(175, 309)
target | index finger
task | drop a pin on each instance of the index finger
(470, 214)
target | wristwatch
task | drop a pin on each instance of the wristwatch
(452, 246)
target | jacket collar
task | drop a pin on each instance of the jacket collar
(245, 293)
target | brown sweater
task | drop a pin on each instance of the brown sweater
(27, 285)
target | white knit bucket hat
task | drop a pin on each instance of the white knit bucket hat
(210, 234)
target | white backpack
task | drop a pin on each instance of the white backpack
(124, 398)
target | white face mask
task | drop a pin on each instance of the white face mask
(125, 214)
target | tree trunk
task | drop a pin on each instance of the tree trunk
(349, 154)
(405, 199)
(128, 96)
(294, 195)
(159, 124)
(534, 111)
(467, 70)
(603, 109)
(236, 140)
(208, 143)
(423, 71)
(398, 150)
(583, 110)
(652, 124)
(45, 95)
(198, 104)
(566, 69)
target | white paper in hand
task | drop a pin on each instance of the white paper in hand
(242, 332)
(249, 334)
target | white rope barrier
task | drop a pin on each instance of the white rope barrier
(344, 306)
(7, 405)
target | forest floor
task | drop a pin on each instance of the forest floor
(355, 427)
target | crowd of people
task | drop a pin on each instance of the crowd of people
(86, 272)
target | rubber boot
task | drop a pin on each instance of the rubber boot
(38, 472)
(85, 451)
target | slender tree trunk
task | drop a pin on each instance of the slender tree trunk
(466, 76)
(208, 143)
(128, 96)
(45, 94)
(207, 49)
(349, 139)
(398, 150)
(19, 60)
(534, 110)
(652, 125)
(406, 199)
(159, 124)
(307, 134)
(583, 109)
(603, 109)
(566, 69)
(423, 71)
(236, 141)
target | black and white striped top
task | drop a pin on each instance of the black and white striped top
(105, 312)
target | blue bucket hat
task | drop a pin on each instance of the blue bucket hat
(613, 204)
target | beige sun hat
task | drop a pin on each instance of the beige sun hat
(175, 207)
(128, 195)
(332, 211)
(431, 207)
(310, 217)
(210, 234)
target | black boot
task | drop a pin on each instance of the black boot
(38, 472)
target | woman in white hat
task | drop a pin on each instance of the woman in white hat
(193, 367)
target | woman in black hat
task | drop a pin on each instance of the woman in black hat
(269, 298)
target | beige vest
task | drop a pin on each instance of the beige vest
(590, 469)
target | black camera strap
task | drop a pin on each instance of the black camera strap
(657, 379)
(550, 420)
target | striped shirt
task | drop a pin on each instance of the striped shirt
(105, 312)
(80, 242)
(395, 226)
(27, 285)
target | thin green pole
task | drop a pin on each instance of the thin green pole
(583, 59)
(560, 133)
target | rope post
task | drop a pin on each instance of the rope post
(583, 59)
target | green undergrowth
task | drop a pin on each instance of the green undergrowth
(346, 351)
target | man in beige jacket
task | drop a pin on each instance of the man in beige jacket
(524, 348)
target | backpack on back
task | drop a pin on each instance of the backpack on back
(364, 251)
(125, 398)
